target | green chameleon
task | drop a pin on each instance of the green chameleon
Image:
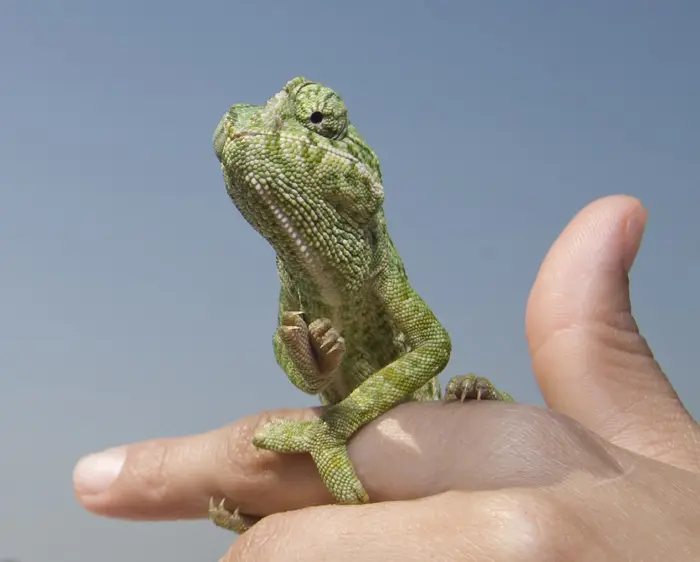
(351, 329)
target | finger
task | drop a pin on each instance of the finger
(416, 450)
(454, 526)
(165, 479)
(589, 358)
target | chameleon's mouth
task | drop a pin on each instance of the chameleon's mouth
(284, 236)
(295, 239)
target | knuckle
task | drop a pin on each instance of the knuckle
(146, 469)
(539, 526)
(237, 446)
(242, 461)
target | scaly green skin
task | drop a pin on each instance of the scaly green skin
(351, 327)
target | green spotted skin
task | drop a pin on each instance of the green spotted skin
(302, 176)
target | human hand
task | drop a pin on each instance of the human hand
(611, 471)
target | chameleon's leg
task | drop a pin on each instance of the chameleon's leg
(471, 387)
(309, 354)
(326, 438)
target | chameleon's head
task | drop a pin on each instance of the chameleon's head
(302, 176)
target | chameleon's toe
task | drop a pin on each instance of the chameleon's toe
(232, 521)
(327, 448)
(293, 318)
(310, 354)
(471, 387)
(327, 343)
(338, 474)
(284, 436)
(294, 334)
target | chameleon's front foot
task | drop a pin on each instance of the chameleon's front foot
(471, 387)
(327, 445)
(236, 521)
(314, 351)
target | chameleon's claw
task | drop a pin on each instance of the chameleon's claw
(293, 318)
(471, 387)
(328, 344)
(236, 521)
(316, 349)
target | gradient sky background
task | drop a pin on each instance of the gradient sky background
(136, 303)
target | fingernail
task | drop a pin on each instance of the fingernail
(95, 473)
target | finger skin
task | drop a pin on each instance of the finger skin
(589, 358)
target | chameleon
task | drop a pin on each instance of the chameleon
(350, 329)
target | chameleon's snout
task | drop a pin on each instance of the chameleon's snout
(238, 118)
(219, 138)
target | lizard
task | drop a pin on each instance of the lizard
(351, 328)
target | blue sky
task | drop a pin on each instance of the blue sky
(136, 302)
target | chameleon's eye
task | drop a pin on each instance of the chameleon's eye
(321, 110)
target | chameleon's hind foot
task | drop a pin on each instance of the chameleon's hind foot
(471, 387)
(236, 521)
(326, 440)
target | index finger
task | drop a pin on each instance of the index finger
(413, 451)
(174, 478)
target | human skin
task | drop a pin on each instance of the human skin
(610, 470)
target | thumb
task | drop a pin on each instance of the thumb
(588, 356)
